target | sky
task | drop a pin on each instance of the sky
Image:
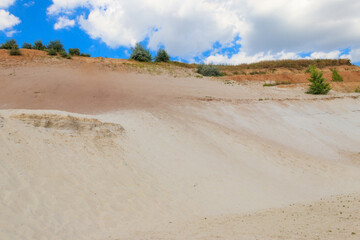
(209, 31)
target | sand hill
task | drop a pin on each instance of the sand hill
(90, 150)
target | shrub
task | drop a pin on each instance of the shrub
(208, 70)
(317, 85)
(357, 90)
(56, 45)
(38, 45)
(257, 72)
(14, 52)
(85, 55)
(74, 51)
(9, 44)
(336, 76)
(162, 56)
(27, 46)
(52, 52)
(63, 54)
(140, 53)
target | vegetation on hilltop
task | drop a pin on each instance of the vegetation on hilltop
(208, 70)
(9, 44)
(38, 45)
(27, 45)
(299, 64)
(140, 53)
(74, 51)
(162, 56)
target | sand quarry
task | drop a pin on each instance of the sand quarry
(94, 148)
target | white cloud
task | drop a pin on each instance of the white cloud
(6, 3)
(7, 20)
(187, 28)
(242, 57)
(325, 55)
(29, 4)
(355, 55)
(64, 22)
(11, 33)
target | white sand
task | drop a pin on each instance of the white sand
(158, 173)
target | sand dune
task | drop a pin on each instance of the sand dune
(137, 156)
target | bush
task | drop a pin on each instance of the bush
(52, 52)
(38, 45)
(74, 51)
(162, 56)
(27, 46)
(317, 85)
(63, 54)
(9, 44)
(140, 53)
(14, 52)
(336, 76)
(56, 45)
(85, 55)
(208, 70)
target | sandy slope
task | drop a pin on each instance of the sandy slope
(174, 158)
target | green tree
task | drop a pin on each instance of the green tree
(56, 45)
(38, 45)
(9, 44)
(74, 51)
(140, 53)
(27, 46)
(336, 76)
(162, 56)
(317, 82)
(85, 55)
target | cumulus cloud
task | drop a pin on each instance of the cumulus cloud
(6, 3)
(7, 20)
(355, 55)
(243, 57)
(64, 22)
(187, 28)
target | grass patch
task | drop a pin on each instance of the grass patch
(277, 83)
(14, 52)
(336, 77)
(257, 72)
(52, 52)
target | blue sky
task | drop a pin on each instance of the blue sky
(36, 24)
(217, 31)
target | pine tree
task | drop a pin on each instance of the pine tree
(140, 53)
(317, 82)
(162, 56)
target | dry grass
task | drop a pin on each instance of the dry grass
(290, 64)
